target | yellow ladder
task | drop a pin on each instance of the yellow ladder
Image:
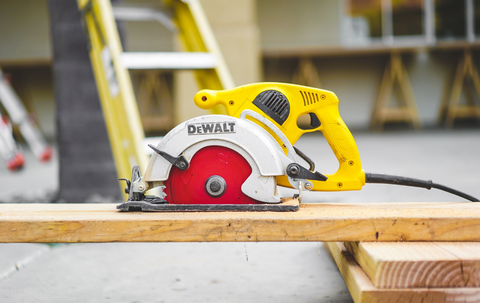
(111, 64)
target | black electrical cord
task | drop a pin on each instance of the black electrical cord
(428, 184)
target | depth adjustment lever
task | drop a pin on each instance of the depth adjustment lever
(179, 162)
(296, 171)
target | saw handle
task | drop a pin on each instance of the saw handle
(350, 175)
(322, 106)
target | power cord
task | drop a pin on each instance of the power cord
(428, 184)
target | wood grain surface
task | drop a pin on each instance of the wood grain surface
(313, 222)
(362, 289)
(426, 264)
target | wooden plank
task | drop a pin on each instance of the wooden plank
(336, 51)
(406, 265)
(29, 62)
(362, 289)
(363, 50)
(396, 114)
(467, 111)
(313, 222)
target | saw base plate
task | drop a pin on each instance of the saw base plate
(287, 204)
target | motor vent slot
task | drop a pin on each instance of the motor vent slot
(274, 104)
(309, 98)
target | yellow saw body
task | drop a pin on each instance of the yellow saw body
(283, 104)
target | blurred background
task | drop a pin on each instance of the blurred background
(405, 72)
(346, 46)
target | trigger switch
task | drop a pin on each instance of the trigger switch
(314, 122)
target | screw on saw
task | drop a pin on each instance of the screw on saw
(293, 170)
(215, 186)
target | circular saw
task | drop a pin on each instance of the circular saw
(235, 162)
(219, 162)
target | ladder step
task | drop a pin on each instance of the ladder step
(129, 13)
(168, 60)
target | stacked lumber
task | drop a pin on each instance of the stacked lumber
(409, 272)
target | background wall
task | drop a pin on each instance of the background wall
(243, 29)
(25, 54)
(304, 23)
(356, 81)
(25, 32)
(299, 26)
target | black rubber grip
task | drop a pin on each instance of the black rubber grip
(397, 180)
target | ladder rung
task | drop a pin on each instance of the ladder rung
(142, 14)
(168, 60)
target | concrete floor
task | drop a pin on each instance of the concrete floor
(174, 272)
(233, 272)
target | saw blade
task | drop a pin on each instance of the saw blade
(215, 176)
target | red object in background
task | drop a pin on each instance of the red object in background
(7, 78)
(16, 162)
(46, 155)
(5, 120)
(188, 186)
